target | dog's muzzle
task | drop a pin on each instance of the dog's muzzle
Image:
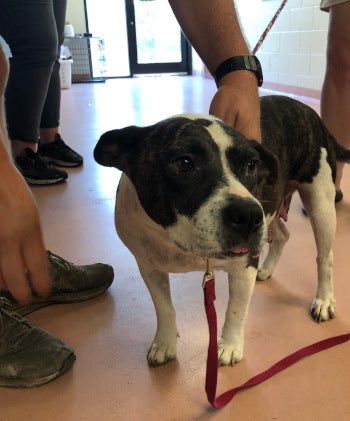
(244, 226)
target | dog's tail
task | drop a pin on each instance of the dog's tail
(342, 154)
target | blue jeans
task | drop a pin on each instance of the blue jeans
(34, 31)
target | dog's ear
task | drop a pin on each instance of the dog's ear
(269, 165)
(117, 148)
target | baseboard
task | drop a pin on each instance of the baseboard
(293, 90)
(280, 87)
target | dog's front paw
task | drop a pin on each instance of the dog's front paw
(229, 353)
(322, 310)
(160, 353)
(263, 273)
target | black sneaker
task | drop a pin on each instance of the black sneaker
(29, 356)
(60, 154)
(36, 170)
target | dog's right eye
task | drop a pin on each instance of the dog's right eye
(183, 164)
(252, 167)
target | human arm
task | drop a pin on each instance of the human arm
(21, 242)
(213, 29)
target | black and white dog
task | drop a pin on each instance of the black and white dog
(194, 188)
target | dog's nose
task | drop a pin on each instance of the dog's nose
(243, 215)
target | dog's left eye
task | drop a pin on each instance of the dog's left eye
(252, 167)
(183, 164)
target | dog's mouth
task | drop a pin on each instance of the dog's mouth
(232, 254)
(237, 251)
(242, 250)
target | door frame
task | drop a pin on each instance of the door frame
(184, 67)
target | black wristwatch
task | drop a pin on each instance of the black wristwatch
(239, 63)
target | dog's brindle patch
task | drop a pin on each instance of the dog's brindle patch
(303, 143)
(195, 188)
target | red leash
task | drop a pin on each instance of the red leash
(212, 360)
(269, 26)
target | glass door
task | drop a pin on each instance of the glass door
(106, 21)
(156, 43)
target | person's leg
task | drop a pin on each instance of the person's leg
(52, 147)
(335, 97)
(50, 118)
(29, 29)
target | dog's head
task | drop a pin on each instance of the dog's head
(199, 179)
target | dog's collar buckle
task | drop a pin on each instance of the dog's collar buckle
(208, 276)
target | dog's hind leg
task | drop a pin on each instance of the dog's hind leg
(241, 284)
(318, 199)
(279, 235)
(163, 347)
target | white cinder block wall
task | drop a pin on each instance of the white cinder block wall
(293, 54)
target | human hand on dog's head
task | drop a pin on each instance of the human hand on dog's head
(237, 103)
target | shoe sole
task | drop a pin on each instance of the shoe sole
(35, 182)
(61, 298)
(63, 163)
(29, 383)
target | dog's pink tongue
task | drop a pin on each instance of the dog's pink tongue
(240, 249)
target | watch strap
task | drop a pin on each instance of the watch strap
(239, 63)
